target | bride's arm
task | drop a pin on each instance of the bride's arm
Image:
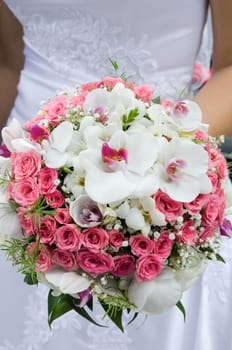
(215, 98)
(11, 60)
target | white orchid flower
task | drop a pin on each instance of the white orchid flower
(66, 282)
(56, 148)
(85, 212)
(9, 222)
(182, 167)
(186, 115)
(123, 100)
(161, 123)
(12, 132)
(158, 295)
(113, 105)
(157, 218)
(119, 169)
(15, 140)
(135, 214)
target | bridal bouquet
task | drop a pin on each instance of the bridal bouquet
(111, 194)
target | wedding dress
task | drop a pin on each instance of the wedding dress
(70, 42)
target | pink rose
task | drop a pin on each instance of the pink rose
(62, 216)
(90, 86)
(222, 205)
(42, 255)
(123, 265)
(26, 221)
(189, 233)
(43, 262)
(214, 180)
(55, 199)
(208, 231)
(78, 100)
(68, 237)
(95, 238)
(9, 191)
(95, 262)
(25, 164)
(215, 156)
(144, 92)
(46, 180)
(65, 259)
(56, 109)
(46, 230)
(25, 192)
(141, 245)
(222, 168)
(169, 207)
(116, 238)
(201, 75)
(213, 213)
(147, 267)
(197, 204)
(201, 135)
(163, 246)
(110, 82)
(167, 104)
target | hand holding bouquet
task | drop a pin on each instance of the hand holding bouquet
(107, 193)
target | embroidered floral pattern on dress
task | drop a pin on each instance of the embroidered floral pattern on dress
(96, 41)
(37, 335)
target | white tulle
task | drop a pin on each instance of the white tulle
(70, 42)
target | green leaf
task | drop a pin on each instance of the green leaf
(133, 318)
(156, 100)
(220, 258)
(181, 308)
(114, 314)
(127, 120)
(114, 64)
(82, 312)
(58, 306)
(30, 279)
(90, 304)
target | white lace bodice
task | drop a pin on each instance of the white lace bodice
(154, 42)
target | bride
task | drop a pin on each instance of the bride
(69, 42)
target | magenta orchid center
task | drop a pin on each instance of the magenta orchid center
(98, 110)
(112, 158)
(175, 168)
(180, 109)
(37, 133)
(92, 214)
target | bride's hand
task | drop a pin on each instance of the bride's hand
(215, 97)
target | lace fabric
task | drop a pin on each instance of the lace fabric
(82, 41)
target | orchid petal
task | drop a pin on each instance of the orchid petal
(135, 219)
(142, 152)
(55, 159)
(22, 145)
(105, 187)
(158, 295)
(11, 132)
(61, 136)
(72, 283)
